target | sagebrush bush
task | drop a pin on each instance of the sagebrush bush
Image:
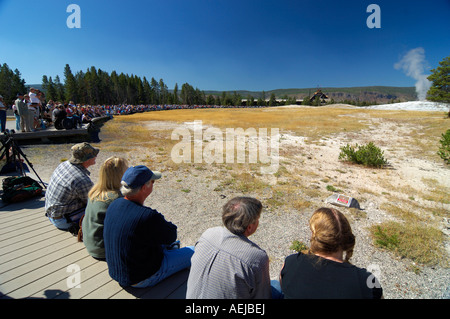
(444, 150)
(367, 155)
(299, 246)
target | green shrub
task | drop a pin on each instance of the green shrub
(298, 246)
(367, 155)
(385, 240)
(444, 150)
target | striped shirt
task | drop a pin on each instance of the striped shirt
(67, 190)
(228, 266)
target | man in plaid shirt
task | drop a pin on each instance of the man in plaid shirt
(67, 192)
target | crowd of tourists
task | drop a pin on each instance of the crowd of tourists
(33, 112)
(141, 249)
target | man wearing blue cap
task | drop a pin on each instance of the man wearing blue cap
(137, 238)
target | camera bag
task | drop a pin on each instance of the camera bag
(18, 189)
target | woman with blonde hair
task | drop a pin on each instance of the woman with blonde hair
(106, 190)
(324, 271)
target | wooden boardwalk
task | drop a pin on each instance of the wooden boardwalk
(39, 261)
(51, 134)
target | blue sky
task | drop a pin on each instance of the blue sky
(226, 44)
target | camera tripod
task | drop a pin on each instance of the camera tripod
(13, 154)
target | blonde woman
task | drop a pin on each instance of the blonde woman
(106, 190)
(325, 272)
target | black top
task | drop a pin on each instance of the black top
(312, 277)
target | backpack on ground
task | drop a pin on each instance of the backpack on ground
(18, 189)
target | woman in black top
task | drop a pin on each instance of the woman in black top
(325, 272)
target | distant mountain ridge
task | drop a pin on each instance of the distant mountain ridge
(379, 94)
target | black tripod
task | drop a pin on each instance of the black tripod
(12, 152)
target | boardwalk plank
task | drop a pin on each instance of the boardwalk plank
(8, 220)
(37, 263)
(30, 256)
(109, 289)
(48, 276)
(35, 259)
(91, 278)
(34, 234)
(21, 247)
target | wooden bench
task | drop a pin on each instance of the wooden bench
(39, 261)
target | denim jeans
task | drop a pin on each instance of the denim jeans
(2, 120)
(174, 260)
(17, 122)
(64, 224)
(276, 289)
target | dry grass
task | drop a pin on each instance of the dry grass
(309, 122)
(420, 243)
(312, 122)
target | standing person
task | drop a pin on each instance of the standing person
(31, 112)
(34, 107)
(22, 109)
(67, 192)
(325, 271)
(136, 237)
(226, 264)
(2, 115)
(35, 102)
(17, 116)
(100, 197)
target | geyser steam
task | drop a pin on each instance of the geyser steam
(413, 64)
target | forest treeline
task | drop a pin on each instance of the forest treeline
(95, 86)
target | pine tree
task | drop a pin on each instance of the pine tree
(59, 88)
(11, 83)
(50, 91)
(70, 85)
(440, 78)
(272, 100)
(175, 94)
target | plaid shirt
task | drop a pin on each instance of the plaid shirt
(67, 190)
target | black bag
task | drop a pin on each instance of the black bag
(18, 189)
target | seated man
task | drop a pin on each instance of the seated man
(58, 116)
(67, 192)
(137, 237)
(226, 264)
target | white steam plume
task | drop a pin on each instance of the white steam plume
(413, 64)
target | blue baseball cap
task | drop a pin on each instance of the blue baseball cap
(137, 176)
